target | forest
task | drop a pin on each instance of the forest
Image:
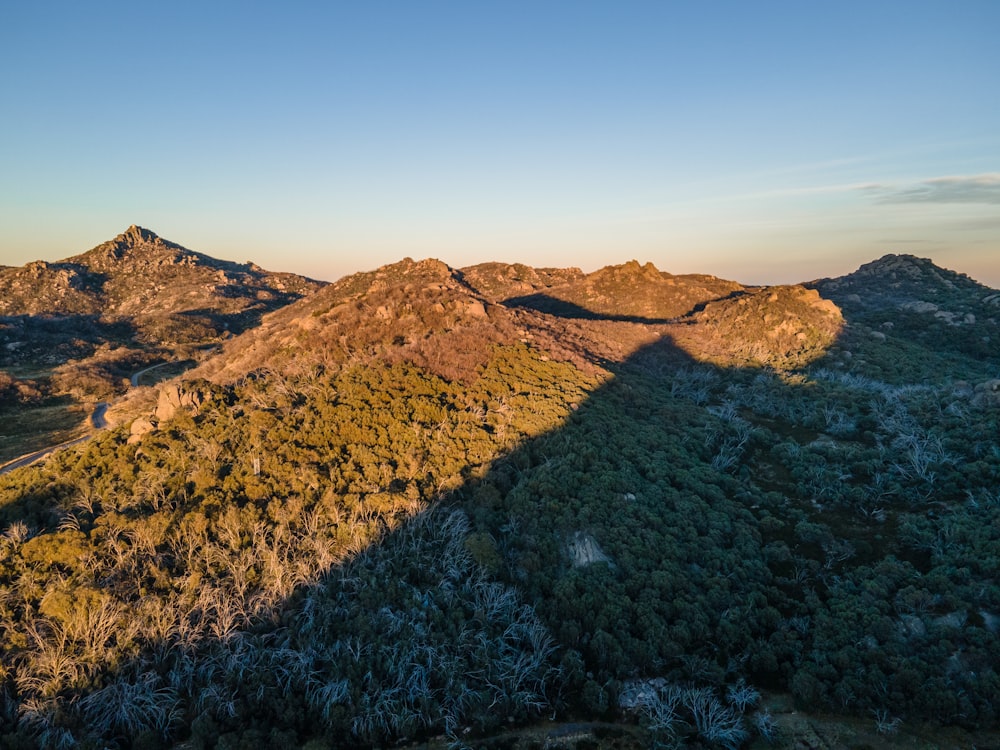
(458, 516)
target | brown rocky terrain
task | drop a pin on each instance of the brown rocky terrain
(624, 292)
(162, 289)
(73, 331)
(781, 327)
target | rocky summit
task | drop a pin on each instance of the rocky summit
(138, 274)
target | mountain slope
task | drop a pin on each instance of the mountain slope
(73, 332)
(911, 301)
(142, 278)
(407, 506)
(782, 327)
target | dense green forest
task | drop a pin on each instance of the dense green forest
(459, 515)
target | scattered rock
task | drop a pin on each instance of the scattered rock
(951, 620)
(584, 550)
(987, 393)
(919, 306)
(912, 625)
(475, 309)
(991, 621)
(172, 398)
(140, 427)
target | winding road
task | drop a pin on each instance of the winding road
(97, 420)
(134, 380)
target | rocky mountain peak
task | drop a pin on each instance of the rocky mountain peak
(136, 235)
(135, 242)
(162, 289)
(630, 271)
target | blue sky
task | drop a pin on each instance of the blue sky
(766, 142)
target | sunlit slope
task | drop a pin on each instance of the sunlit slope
(625, 292)
(73, 332)
(163, 569)
(783, 327)
(403, 507)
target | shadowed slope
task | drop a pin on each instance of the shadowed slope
(338, 539)
(913, 300)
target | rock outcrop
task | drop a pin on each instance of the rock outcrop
(173, 397)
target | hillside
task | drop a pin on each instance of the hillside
(428, 501)
(935, 319)
(72, 332)
(163, 292)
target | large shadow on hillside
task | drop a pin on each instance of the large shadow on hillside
(560, 308)
(613, 546)
(44, 340)
(636, 556)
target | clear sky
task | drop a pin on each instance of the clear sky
(766, 142)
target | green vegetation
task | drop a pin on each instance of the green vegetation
(128, 572)
(419, 514)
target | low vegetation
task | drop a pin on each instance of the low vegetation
(401, 509)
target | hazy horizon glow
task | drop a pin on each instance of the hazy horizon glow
(766, 142)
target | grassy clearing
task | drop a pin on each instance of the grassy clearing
(32, 428)
(29, 371)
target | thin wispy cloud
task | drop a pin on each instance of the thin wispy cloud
(980, 188)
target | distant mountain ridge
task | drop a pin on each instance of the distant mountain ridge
(139, 273)
(915, 300)
(136, 288)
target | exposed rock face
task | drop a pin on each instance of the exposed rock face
(584, 550)
(140, 427)
(987, 393)
(173, 397)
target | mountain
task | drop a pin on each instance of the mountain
(627, 291)
(164, 291)
(425, 500)
(74, 331)
(913, 320)
(446, 319)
